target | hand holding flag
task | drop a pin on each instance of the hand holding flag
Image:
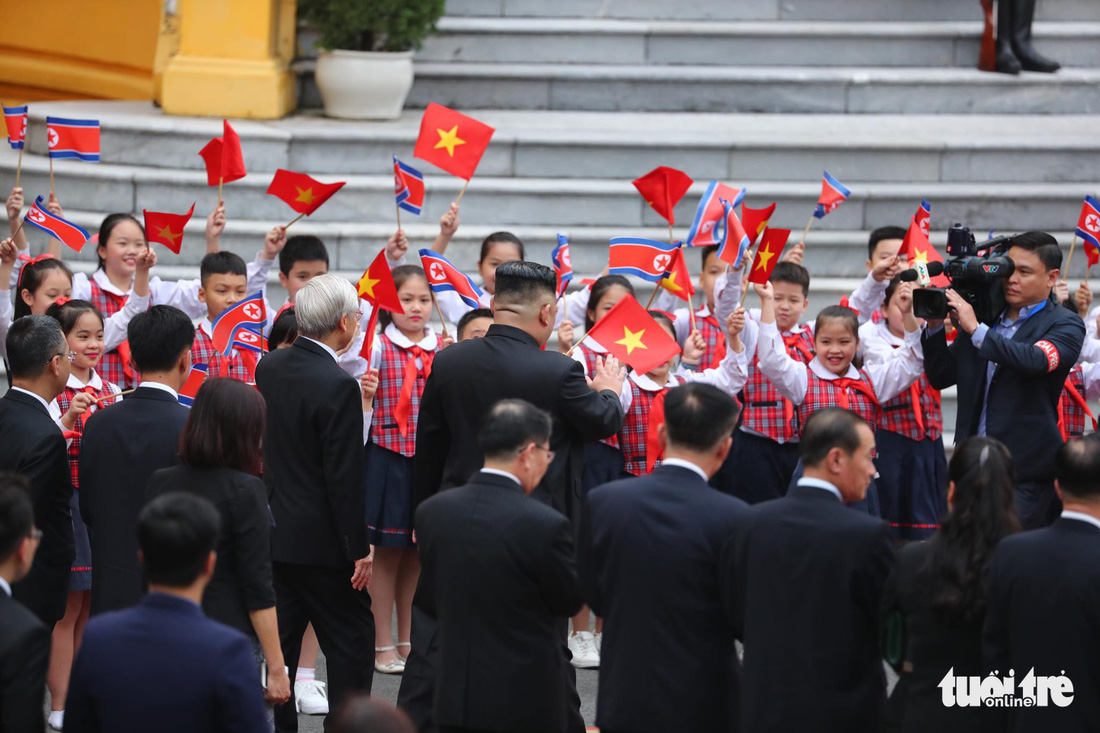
(167, 229)
(631, 335)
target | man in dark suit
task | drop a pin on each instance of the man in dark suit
(649, 553)
(313, 458)
(1010, 373)
(804, 578)
(124, 444)
(24, 639)
(1044, 600)
(497, 572)
(31, 444)
(163, 665)
(471, 376)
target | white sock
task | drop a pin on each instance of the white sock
(304, 674)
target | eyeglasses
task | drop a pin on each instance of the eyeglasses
(71, 355)
(546, 449)
(357, 315)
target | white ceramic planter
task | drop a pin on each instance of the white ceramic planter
(364, 85)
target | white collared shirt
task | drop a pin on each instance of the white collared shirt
(41, 401)
(505, 474)
(821, 484)
(96, 382)
(368, 415)
(1081, 517)
(428, 342)
(4, 586)
(328, 349)
(685, 464)
(162, 387)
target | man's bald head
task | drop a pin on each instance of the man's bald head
(525, 298)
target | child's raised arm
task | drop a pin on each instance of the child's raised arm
(448, 225)
(215, 225)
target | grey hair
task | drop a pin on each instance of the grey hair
(321, 304)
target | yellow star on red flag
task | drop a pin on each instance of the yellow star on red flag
(632, 340)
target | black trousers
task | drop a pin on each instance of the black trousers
(342, 618)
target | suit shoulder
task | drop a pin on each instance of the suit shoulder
(19, 623)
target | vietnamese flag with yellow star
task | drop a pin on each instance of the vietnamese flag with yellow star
(632, 336)
(677, 279)
(167, 229)
(771, 246)
(921, 250)
(452, 141)
(377, 286)
(755, 221)
(300, 192)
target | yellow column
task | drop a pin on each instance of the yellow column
(233, 60)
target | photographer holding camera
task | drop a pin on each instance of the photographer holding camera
(1010, 369)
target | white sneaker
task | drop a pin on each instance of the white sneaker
(583, 647)
(310, 697)
(599, 641)
(57, 719)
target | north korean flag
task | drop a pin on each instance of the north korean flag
(68, 138)
(1088, 229)
(191, 385)
(15, 119)
(408, 185)
(225, 331)
(72, 235)
(706, 228)
(833, 194)
(445, 277)
(245, 337)
(563, 263)
(648, 259)
(734, 238)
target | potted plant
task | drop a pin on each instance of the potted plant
(364, 70)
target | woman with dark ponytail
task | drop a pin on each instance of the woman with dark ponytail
(934, 601)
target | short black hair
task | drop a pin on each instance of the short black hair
(519, 281)
(828, 428)
(509, 426)
(789, 272)
(471, 316)
(177, 531)
(699, 416)
(880, 234)
(158, 337)
(1044, 245)
(16, 512)
(361, 713)
(302, 248)
(706, 253)
(221, 263)
(284, 330)
(1077, 467)
(32, 342)
(500, 238)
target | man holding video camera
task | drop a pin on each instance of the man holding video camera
(1010, 371)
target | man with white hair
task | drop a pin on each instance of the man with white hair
(313, 466)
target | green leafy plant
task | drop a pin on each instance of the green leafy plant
(371, 25)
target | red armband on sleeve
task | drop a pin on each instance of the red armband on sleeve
(1050, 351)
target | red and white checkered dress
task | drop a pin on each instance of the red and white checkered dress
(1071, 411)
(115, 365)
(714, 336)
(822, 393)
(391, 375)
(239, 365)
(590, 357)
(766, 411)
(915, 413)
(65, 400)
(635, 430)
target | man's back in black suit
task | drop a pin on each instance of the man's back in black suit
(498, 573)
(649, 554)
(123, 445)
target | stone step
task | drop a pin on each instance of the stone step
(948, 148)
(503, 202)
(746, 43)
(829, 10)
(612, 87)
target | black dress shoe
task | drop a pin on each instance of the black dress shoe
(1007, 63)
(1030, 59)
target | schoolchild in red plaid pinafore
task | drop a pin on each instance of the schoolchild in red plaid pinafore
(239, 365)
(857, 395)
(115, 367)
(636, 426)
(766, 411)
(714, 335)
(1073, 409)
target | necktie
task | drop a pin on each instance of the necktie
(123, 349)
(652, 442)
(795, 341)
(914, 397)
(843, 384)
(408, 383)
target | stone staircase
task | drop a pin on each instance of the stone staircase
(588, 94)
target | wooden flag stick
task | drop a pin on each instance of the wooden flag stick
(51, 175)
(582, 338)
(462, 192)
(398, 208)
(671, 236)
(1070, 258)
(442, 322)
(806, 231)
(20, 227)
(221, 180)
(112, 396)
(295, 219)
(653, 296)
(19, 166)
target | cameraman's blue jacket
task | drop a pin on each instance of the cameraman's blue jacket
(1032, 367)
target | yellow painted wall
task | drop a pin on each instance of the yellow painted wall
(78, 49)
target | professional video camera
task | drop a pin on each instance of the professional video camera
(975, 271)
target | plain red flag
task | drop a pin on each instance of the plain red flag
(377, 286)
(165, 228)
(771, 246)
(452, 141)
(223, 157)
(300, 192)
(662, 188)
(631, 335)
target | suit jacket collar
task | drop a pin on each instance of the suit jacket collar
(679, 475)
(812, 493)
(311, 347)
(26, 399)
(513, 333)
(1076, 526)
(1035, 322)
(490, 479)
(151, 393)
(168, 602)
